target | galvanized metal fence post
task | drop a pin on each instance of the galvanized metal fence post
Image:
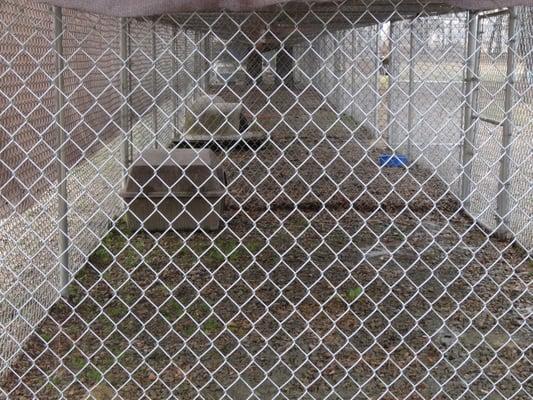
(207, 48)
(471, 88)
(129, 64)
(124, 87)
(197, 64)
(62, 190)
(390, 84)
(175, 88)
(503, 197)
(410, 110)
(155, 113)
(376, 80)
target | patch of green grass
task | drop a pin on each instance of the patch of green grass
(199, 243)
(102, 326)
(123, 226)
(214, 256)
(115, 241)
(239, 255)
(129, 293)
(188, 330)
(200, 310)
(75, 293)
(129, 360)
(76, 362)
(129, 326)
(116, 345)
(141, 243)
(73, 330)
(171, 310)
(185, 326)
(224, 249)
(282, 239)
(211, 326)
(103, 360)
(171, 242)
(129, 258)
(46, 336)
(353, 293)
(227, 245)
(254, 246)
(238, 328)
(156, 257)
(91, 375)
(114, 276)
(185, 255)
(297, 223)
(101, 257)
(57, 380)
(116, 310)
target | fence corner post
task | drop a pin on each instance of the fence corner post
(155, 94)
(124, 89)
(503, 197)
(410, 110)
(62, 189)
(175, 88)
(471, 87)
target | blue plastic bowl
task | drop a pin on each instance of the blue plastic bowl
(393, 161)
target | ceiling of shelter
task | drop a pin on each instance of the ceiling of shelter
(138, 8)
(274, 21)
(296, 21)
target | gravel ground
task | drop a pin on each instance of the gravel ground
(332, 279)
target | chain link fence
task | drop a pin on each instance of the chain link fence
(337, 269)
(426, 85)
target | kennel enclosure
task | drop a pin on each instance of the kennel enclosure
(330, 276)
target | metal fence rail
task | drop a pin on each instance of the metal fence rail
(332, 274)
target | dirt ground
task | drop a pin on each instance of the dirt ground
(332, 279)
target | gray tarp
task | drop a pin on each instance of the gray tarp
(138, 8)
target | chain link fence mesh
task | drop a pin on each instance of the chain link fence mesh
(493, 77)
(331, 275)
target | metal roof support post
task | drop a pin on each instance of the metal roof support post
(207, 51)
(154, 87)
(124, 87)
(175, 84)
(410, 110)
(376, 79)
(62, 190)
(197, 65)
(130, 92)
(471, 87)
(390, 72)
(204, 65)
(503, 198)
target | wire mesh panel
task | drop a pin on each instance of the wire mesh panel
(265, 205)
(490, 142)
(426, 85)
